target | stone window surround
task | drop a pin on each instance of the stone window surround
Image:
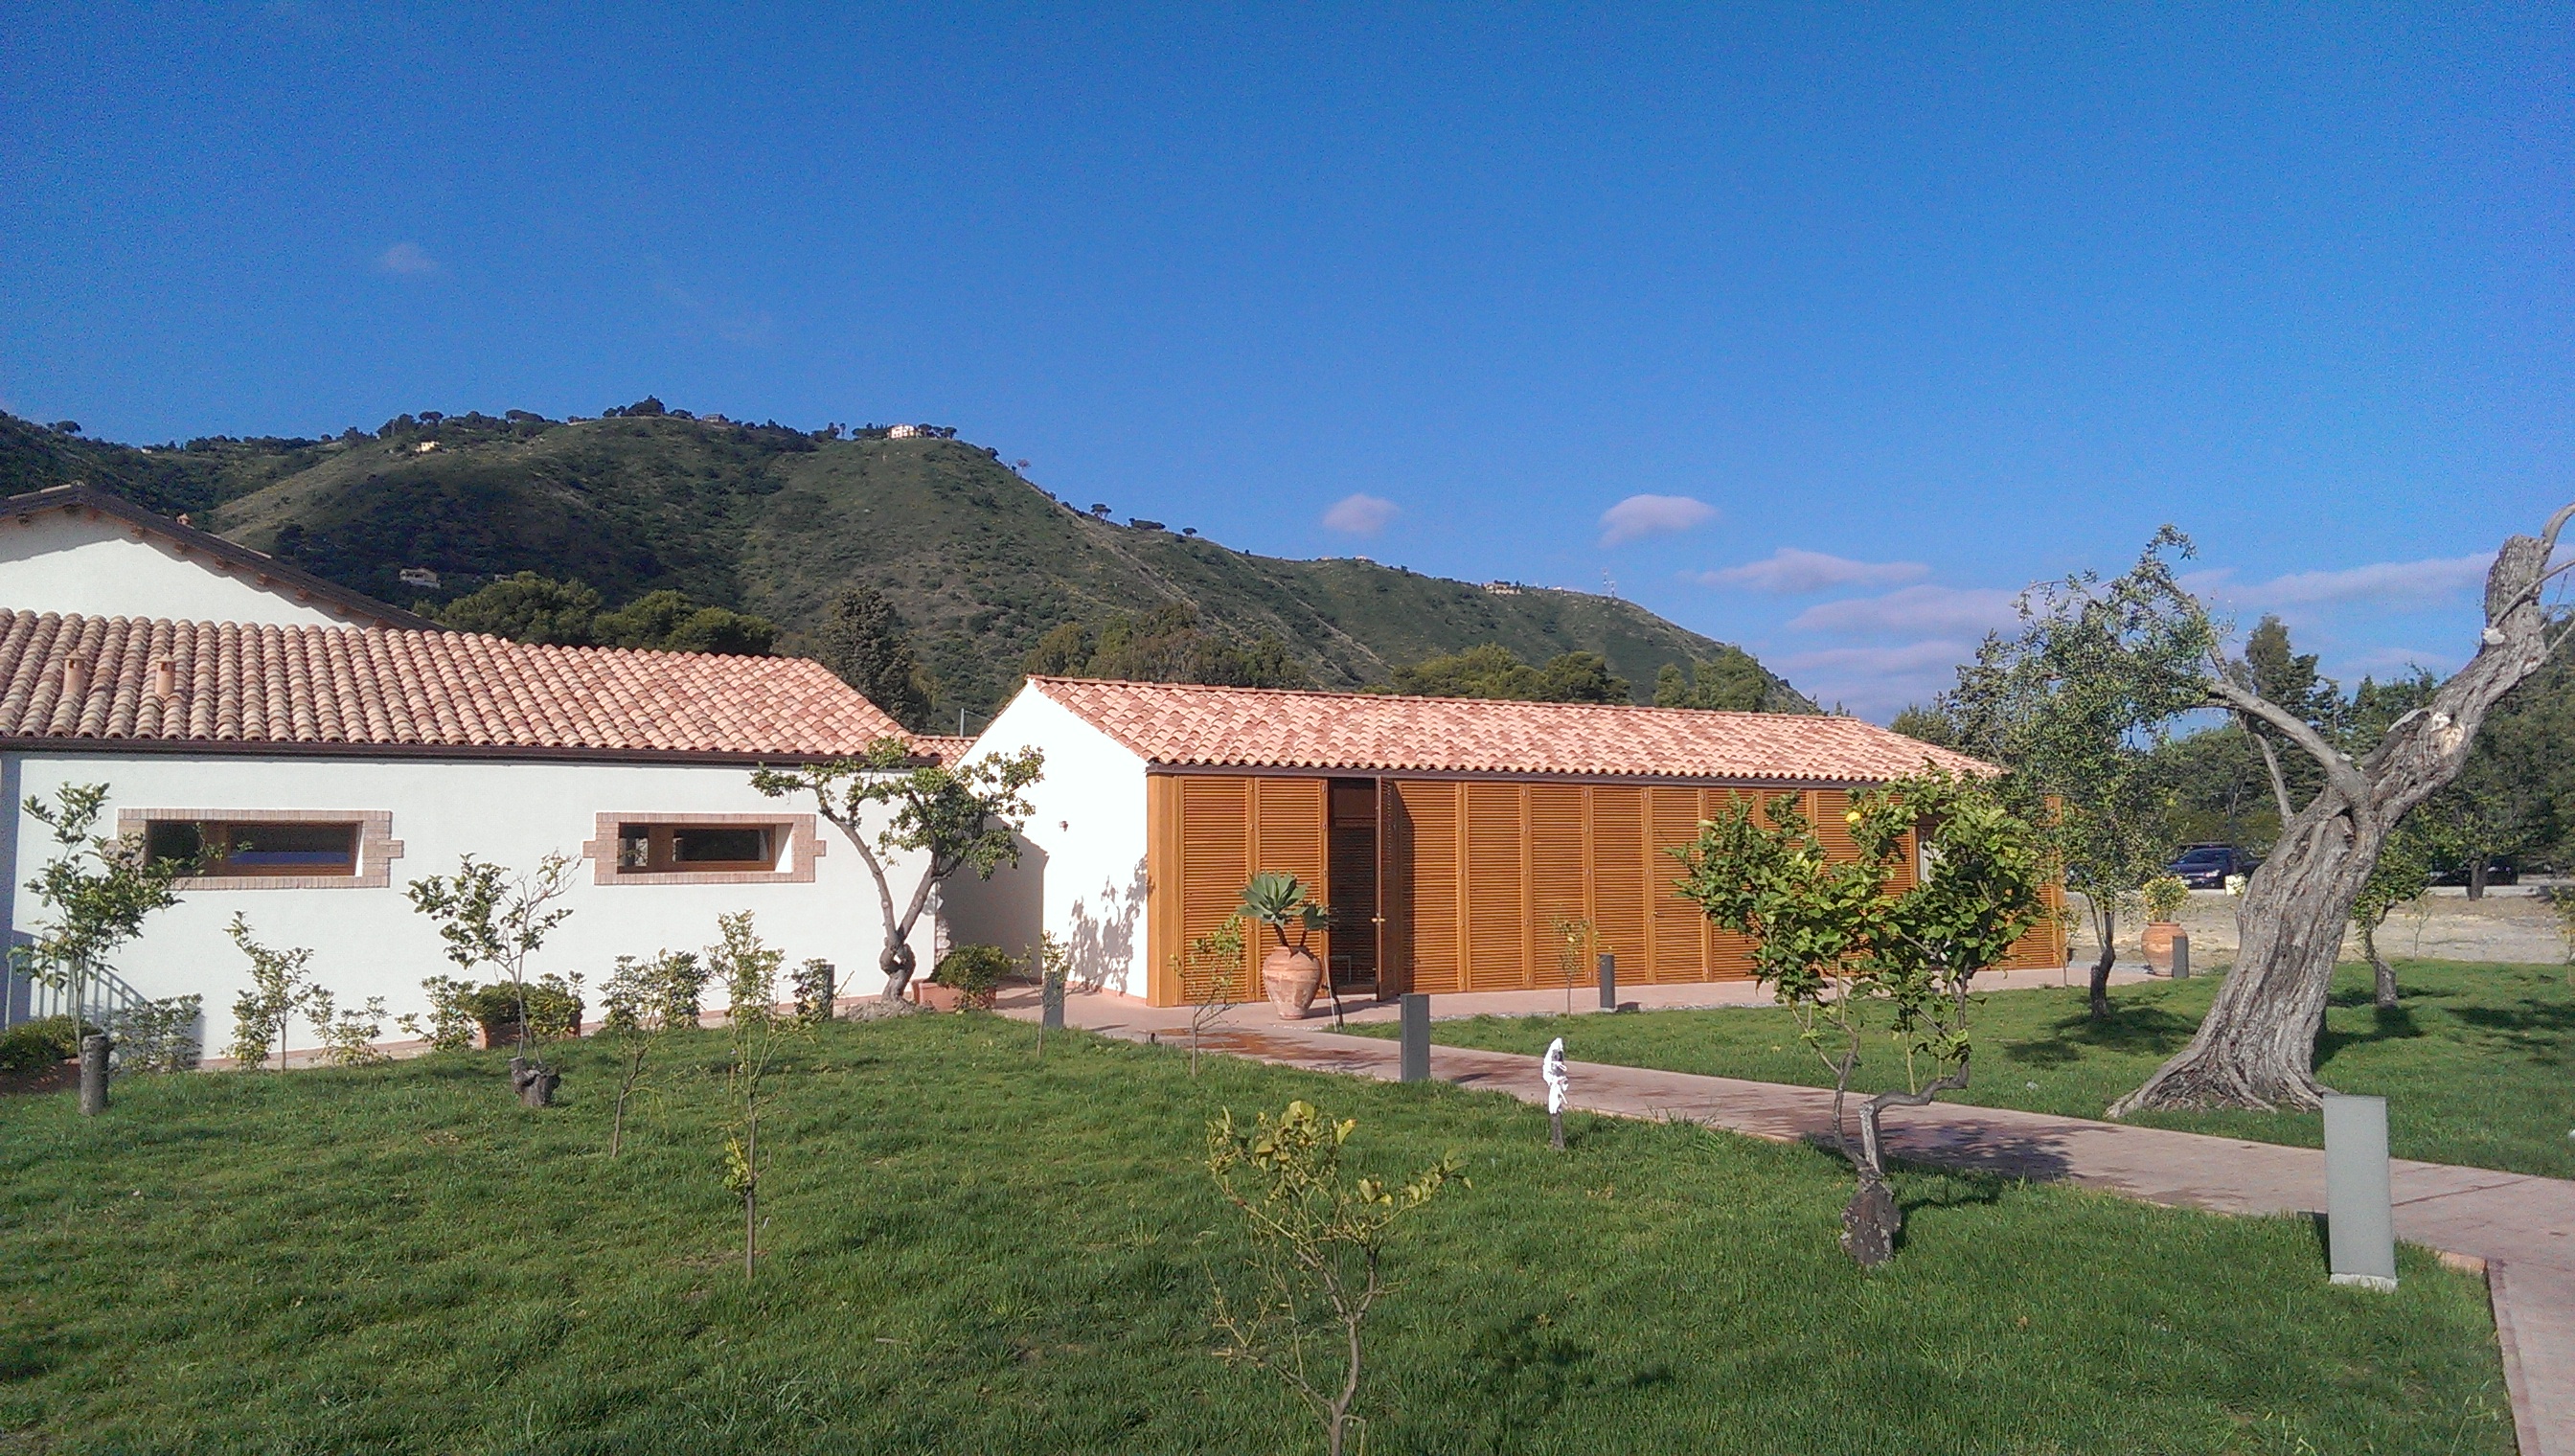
(803, 848)
(377, 848)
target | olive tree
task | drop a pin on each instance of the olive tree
(1844, 941)
(2257, 1047)
(966, 818)
(2076, 704)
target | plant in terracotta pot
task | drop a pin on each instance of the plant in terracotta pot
(2164, 895)
(1290, 973)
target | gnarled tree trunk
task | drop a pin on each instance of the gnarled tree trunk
(2256, 1047)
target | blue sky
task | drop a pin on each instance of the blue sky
(1885, 312)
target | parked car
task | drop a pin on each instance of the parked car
(2206, 867)
(2498, 872)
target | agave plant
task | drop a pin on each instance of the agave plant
(1280, 901)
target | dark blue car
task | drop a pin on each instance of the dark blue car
(2205, 866)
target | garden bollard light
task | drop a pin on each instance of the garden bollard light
(93, 1075)
(1414, 1064)
(1051, 1004)
(2181, 957)
(2360, 1225)
(1608, 981)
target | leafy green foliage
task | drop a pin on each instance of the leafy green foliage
(1318, 1251)
(965, 818)
(2163, 896)
(450, 1022)
(748, 969)
(1166, 644)
(348, 1036)
(40, 1045)
(863, 641)
(1731, 679)
(95, 892)
(279, 987)
(976, 971)
(2076, 704)
(1283, 902)
(643, 999)
(490, 916)
(528, 608)
(1841, 940)
(1494, 670)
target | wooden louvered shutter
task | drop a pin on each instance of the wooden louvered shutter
(1824, 810)
(1394, 892)
(1560, 862)
(1621, 878)
(1430, 812)
(1292, 834)
(1216, 860)
(1730, 952)
(1680, 925)
(1496, 888)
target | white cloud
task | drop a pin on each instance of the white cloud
(408, 260)
(1878, 683)
(1639, 516)
(1360, 514)
(2396, 585)
(1790, 570)
(1915, 611)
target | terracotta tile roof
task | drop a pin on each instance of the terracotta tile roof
(1186, 726)
(246, 685)
(946, 748)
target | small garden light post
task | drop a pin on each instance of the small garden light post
(2360, 1225)
(93, 1075)
(1415, 1064)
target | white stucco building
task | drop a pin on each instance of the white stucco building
(237, 715)
(73, 548)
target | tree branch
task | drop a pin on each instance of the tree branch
(2338, 770)
(2271, 762)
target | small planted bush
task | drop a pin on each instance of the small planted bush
(33, 1046)
(975, 972)
(554, 1009)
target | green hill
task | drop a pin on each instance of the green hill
(774, 521)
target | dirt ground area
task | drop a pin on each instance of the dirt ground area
(2512, 923)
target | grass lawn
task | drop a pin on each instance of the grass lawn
(2478, 1066)
(971, 1250)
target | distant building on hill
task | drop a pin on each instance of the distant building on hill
(902, 431)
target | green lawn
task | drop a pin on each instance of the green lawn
(2475, 1066)
(974, 1251)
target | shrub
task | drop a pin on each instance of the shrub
(554, 1009)
(158, 1036)
(451, 1021)
(976, 971)
(32, 1046)
(2164, 895)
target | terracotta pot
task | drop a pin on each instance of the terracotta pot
(1292, 976)
(2158, 939)
(935, 997)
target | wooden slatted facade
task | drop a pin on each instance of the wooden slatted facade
(1471, 877)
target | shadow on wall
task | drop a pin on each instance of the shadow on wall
(1006, 910)
(1100, 931)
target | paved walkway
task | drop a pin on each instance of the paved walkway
(2519, 1228)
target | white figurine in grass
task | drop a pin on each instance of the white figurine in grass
(1551, 1071)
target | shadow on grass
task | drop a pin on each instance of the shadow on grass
(1521, 1369)
(2130, 1029)
(2396, 1026)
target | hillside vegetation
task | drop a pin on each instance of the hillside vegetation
(979, 563)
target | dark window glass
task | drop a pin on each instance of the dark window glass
(172, 839)
(710, 844)
(250, 846)
(297, 848)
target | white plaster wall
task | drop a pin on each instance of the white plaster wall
(64, 562)
(1089, 831)
(371, 943)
